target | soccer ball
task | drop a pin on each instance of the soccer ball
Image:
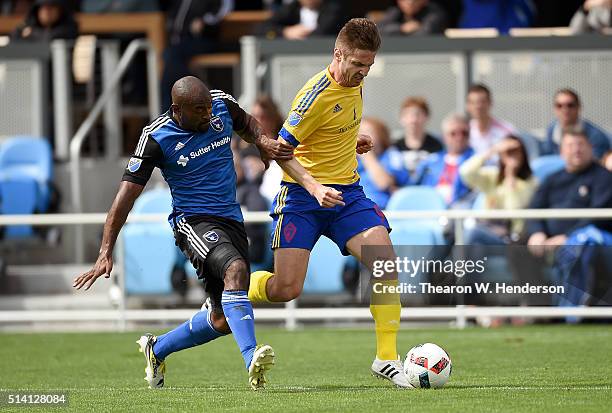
(427, 365)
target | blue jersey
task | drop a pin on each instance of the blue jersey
(198, 166)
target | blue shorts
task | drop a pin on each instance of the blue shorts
(299, 221)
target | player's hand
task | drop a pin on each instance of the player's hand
(364, 144)
(272, 149)
(103, 266)
(328, 197)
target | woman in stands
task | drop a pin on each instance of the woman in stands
(509, 185)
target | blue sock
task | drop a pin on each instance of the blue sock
(193, 332)
(239, 314)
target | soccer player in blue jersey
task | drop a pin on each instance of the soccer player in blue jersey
(191, 145)
(320, 193)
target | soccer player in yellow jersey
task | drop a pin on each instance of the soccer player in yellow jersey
(320, 193)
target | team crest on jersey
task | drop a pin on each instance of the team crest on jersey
(216, 123)
(211, 236)
(134, 164)
(294, 119)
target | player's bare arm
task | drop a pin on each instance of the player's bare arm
(122, 205)
(326, 196)
(270, 149)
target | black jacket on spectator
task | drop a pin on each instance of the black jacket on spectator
(31, 30)
(432, 18)
(331, 19)
(590, 188)
(180, 14)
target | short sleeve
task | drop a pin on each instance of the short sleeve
(302, 121)
(143, 161)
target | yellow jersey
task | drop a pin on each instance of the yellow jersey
(323, 126)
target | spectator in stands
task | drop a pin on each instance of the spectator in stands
(382, 169)
(414, 17)
(441, 169)
(415, 143)
(582, 184)
(567, 109)
(507, 186)
(48, 20)
(250, 199)
(555, 13)
(501, 15)
(123, 6)
(485, 130)
(268, 115)
(606, 161)
(193, 29)
(304, 18)
(593, 16)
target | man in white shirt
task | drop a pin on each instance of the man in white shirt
(485, 130)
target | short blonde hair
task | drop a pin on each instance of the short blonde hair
(359, 33)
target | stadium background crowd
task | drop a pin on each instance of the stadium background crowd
(478, 158)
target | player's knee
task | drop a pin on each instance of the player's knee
(236, 276)
(286, 292)
(219, 323)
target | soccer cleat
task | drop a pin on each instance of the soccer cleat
(263, 360)
(391, 370)
(154, 370)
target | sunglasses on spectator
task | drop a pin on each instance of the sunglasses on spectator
(459, 132)
(569, 105)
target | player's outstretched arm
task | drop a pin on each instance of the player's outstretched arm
(326, 196)
(269, 149)
(122, 205)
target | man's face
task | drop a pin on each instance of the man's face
(577, 152)
(354, 66)
(411, 7)
(478, 105)
(413, 118)
(194, 116)
(49, 14)
(456, 137)
(566, 109)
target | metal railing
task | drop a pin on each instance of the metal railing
(290, 314)
(109, 92)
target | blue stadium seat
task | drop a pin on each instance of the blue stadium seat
(24, 156)
(325, 269)
(18, 196)
(416, 198)
(546, 165)
(150, 252)
(532, 145)
(422, 231)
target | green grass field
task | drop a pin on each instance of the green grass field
(537, 368)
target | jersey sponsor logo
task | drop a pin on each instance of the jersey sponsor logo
(182, 160)
(294, 119)
(179, 146)
(211, 236)
(134, 164)
(216, 123)
(213, 145)
(337, 108)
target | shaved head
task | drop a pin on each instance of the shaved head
(188, 88)
(191, 104)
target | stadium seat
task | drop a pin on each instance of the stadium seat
(546, 165)
(24, 156)
(532, 145)
(325, 269)
(150, 252)
(422, 231)
(18, 196)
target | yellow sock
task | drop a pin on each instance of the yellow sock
(386, 309)
(257, 287)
